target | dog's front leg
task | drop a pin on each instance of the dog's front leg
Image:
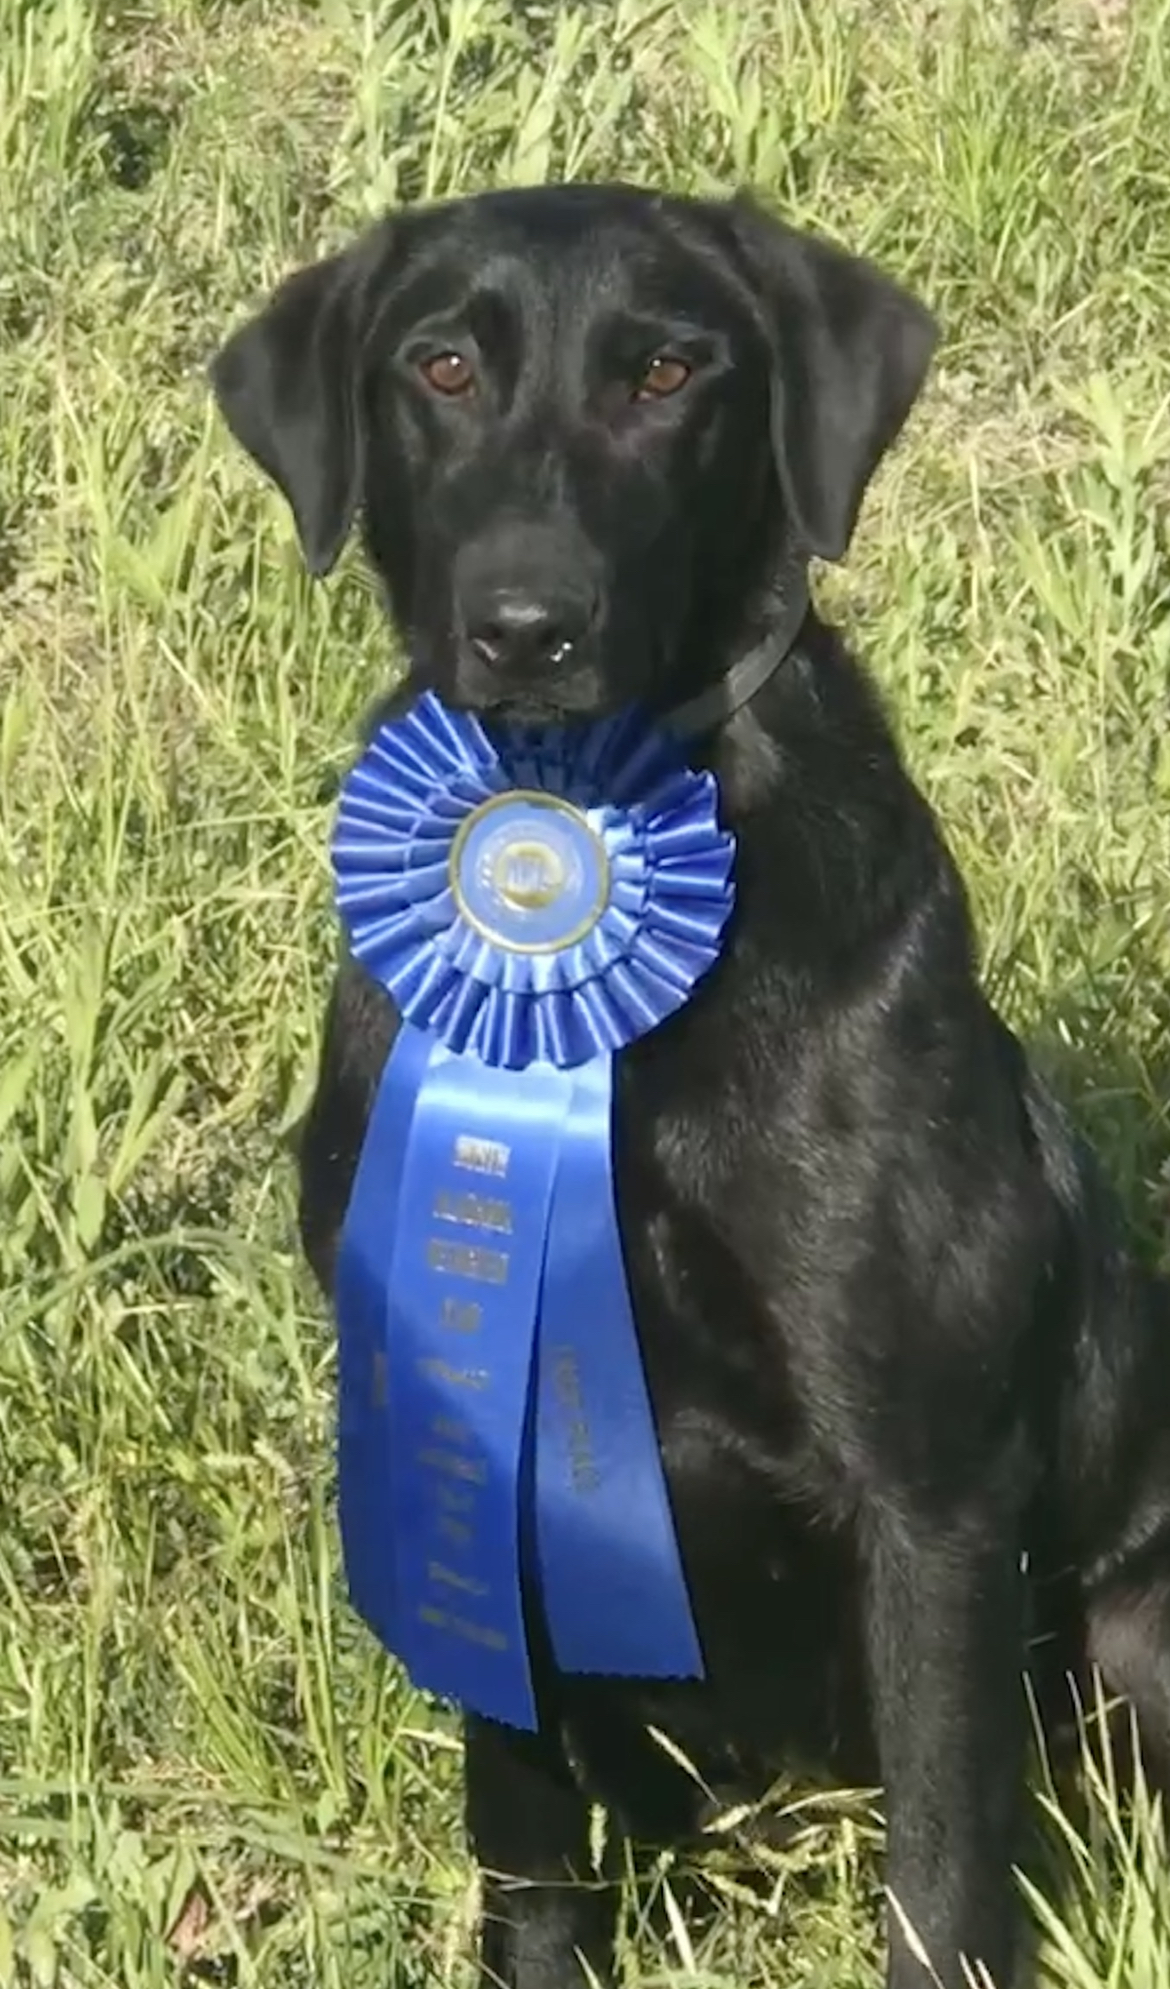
(543, 1908)
(944, 1620)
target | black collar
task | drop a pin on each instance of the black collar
(748, 674)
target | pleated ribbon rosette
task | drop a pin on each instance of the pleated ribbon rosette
(532, 902)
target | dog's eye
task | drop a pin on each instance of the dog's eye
(664, 376)
(448, 373)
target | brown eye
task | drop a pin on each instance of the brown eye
(663, 377)
(448, 373)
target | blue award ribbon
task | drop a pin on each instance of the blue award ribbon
(532, 902)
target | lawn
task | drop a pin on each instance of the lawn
(206, 1767)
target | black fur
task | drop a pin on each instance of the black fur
(912, 1396)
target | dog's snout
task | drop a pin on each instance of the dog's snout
(525, 598)
(517, 628)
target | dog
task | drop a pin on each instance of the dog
(912, 1393)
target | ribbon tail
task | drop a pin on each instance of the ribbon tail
(612, 1580)
(361, 1291)
(472, 1218)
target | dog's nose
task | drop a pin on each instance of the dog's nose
(512, 629)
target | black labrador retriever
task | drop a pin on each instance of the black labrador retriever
(913, 1397)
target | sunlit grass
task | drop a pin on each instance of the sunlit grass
(203, 1759)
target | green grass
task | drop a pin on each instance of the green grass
(204, 1762)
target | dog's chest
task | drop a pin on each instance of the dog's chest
(718, 1223)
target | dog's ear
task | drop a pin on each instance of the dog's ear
(851, 351)
(288, 386)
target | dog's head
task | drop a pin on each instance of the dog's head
(586, 428)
